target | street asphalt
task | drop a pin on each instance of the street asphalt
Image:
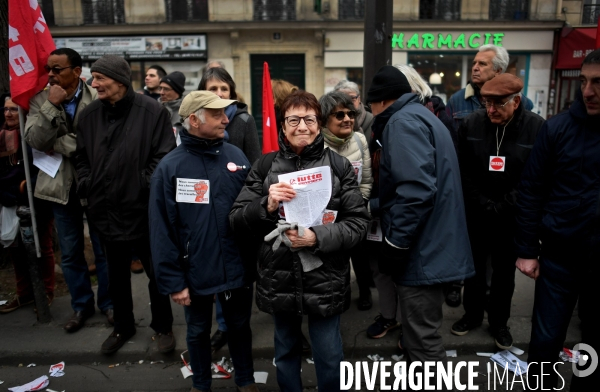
(24, 341)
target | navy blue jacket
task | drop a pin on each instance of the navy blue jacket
(420, 194)
(558, 200)
(192, 244)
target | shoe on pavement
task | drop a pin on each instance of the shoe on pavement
(137, 267)
(110, 315)
(453, 297)
(305, 344)
(364, 300)
(218, 340)
(503, 337)
(77, 320)
(165, 342)
(115, 341)
(463, 326)
(381, 326)
(249, 388)
(15, 304)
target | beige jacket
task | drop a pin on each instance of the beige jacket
(351, 151)
(47, 128)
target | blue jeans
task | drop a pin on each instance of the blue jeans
(69, 224)
(327, 351)
(219, 316)
(560, 285)
(237, 308)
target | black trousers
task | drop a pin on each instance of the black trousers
(359, 255)
(118, 257)
(492, 236)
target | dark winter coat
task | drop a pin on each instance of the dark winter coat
(478, 139)
(282, 286)
(420, 194)
(192, 244)
(558, 202)
(243, 134)
(118, 148)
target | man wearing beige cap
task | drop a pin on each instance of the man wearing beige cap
(494, 144)
(193, 248)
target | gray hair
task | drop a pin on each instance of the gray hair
(333, 99)
(417, 83)
(200, 114)
(347, 85)
(500, 60)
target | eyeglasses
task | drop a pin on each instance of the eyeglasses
(11, 110)
(166, 89)
(56, 70)
(354, 97)
(497, 105)
(294, 121)
(341, 115)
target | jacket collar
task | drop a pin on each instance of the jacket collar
(199, 145)
(382, 118)
(122, 106)
(310, 152)
(173, 105)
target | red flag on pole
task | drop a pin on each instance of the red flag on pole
(270, 138)
(598, 34)
(29, 46)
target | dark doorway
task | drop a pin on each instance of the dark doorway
(288, 67)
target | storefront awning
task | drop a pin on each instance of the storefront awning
(573, 46)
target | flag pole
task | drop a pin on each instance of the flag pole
(28, 181)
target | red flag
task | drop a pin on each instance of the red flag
(29, 46)
(598, 34)
(270, 138)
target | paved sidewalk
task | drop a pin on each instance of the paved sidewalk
(23, 341)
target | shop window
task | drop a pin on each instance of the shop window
(439, 9)
(448, 67)
(186, 10)
(509, 9)
(103, 11)
(569, 85)
(274, 9)
(48, 11)
(351, 9)
(591, 12)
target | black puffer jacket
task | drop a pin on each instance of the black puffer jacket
(282, 286)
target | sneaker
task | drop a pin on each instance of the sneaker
(381, 326)
(15, 304)
(453, 297)
(218, 340)
(503, 338)
(137, 267)
(165, 342)
(463, 326)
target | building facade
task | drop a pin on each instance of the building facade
(311, 43)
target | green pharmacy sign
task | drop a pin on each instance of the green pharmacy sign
(448, 41)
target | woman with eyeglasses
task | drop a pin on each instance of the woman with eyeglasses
(13, 193)
(339, 117)
(311, 275)
(364, 118)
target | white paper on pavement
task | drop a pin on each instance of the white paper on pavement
(260, 377)
(3, 302)
(313, 191)
(49, 164)
(57, 370)
(505, 358)
(515, 350)
(36, 385)
(185, 371)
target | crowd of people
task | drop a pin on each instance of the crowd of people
(425, 196)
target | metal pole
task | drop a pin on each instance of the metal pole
(29, 236)
(377, 50)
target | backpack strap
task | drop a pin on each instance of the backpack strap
(337, 164)
(264, 164)
(360, 145)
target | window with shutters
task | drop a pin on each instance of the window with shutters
(274, 9)
(591, 12)
(351, 9)
(439, 9)
(186, 10)
(103, 11)
(509, 9)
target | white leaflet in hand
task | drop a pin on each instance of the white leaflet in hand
(374, 232)
(36, 385)
(313, 191)
(49, 164)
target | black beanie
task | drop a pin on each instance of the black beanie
(389, 83)
(114, 67)
(176, 80)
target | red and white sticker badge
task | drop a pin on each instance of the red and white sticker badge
(232, 167)
(497, 164)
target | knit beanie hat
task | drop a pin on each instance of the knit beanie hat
(176, 80)
(114, 67)
(389, 83)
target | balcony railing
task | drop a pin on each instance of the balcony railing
(590, 14)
